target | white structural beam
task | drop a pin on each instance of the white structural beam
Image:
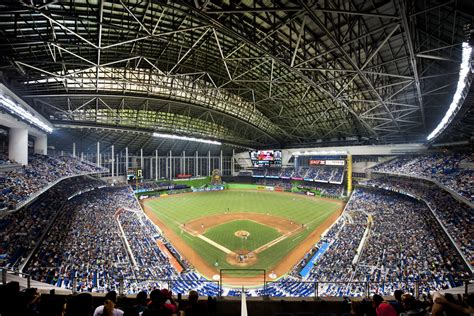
(18, 145)
(41, 145)
(112, 158)
(209, 163)
(126, 160)
(156, 165)
(97, 158)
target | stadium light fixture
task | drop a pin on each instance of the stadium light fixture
(458, 95)
(25, 115)
(191, 139)
(319, 153)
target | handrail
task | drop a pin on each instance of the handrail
(366, 285)
(40, 240)
(316, 284)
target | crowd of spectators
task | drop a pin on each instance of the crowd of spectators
(4, 160)
(323, 174)
(444, 168)
(159, 301)
(326, 189)
(20, 230)
(163, 302)
(403, 244)
(456, 216)
(102, 238)
(19, 184)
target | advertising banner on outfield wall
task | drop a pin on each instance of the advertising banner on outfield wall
(335, 162)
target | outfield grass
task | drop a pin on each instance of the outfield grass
(179, 209)
(224, 234)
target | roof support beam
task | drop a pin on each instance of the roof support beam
(298, 41)
(296, 9)
(188, 51)
(402, 11)
(349, 59)
(99, 42)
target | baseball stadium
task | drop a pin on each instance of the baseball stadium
(253, 157)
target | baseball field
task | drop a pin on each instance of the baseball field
(242, 229)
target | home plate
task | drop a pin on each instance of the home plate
(272, 275)
(216, 277)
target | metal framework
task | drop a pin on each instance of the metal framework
(253, 73)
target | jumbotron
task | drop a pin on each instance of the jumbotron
(165, 158)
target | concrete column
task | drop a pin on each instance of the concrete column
(232, 164)
(126, 160)
(112, 149)
(117, 165)
(196, 164)
(98, 155)
(156, 165)
(82, 156)
(171, 165)
(221, 163)
(41, 145)
(142, 165)
(183, 164)
(167, 163)
(209, 163)
(18, 145)
(74, 149)
(151, 168)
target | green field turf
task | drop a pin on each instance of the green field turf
(259, 235)
(178, 209)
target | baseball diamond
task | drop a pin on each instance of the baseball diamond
(242, 228)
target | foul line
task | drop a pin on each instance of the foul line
(220, 247)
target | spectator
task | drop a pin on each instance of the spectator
(31, 299)
(382, 307)
(80, 305)
(411, 306)
(194, 307)
(157, 305)
(398, 301)
(108, 309)
(446, 305)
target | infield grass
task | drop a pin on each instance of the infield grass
(175, 210)
(224, 234)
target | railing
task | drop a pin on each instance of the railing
(346, 289)
(5, 271)
(280, 288)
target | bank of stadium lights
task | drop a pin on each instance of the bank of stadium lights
(191, 139)
(458, 95)
(319, 153)
(25, 115)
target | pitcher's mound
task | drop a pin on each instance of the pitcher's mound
(242, 233)
(241, 258)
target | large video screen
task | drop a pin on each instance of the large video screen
(266, 158)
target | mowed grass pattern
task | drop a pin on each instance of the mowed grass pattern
(178, 209)
(224, 234)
